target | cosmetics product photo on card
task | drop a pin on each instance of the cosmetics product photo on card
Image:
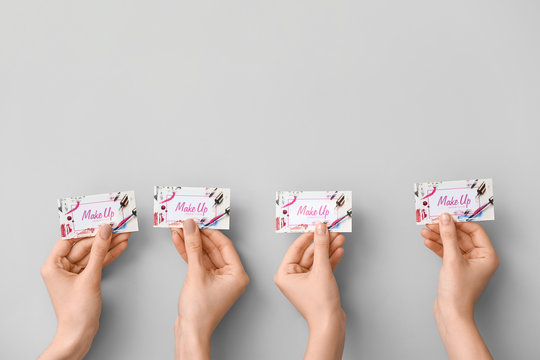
(209, 207)
(465, 200)
(300, 211)
(81, 216)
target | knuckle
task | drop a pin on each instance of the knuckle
(323, 243)
(446, 232)
(44, 271)
(244, 280)
(194, 245)
(496, 262)
(99, 251)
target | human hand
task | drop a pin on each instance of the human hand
(306, 278)
(469, 261)
(72, 274)
(215, 279)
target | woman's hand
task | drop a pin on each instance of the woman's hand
(306, 278)
(469, 261)
(72, 274)
(215, 279)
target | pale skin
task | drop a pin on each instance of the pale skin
(469, 261)
(215, 279)
(72, 274)
(306, 278)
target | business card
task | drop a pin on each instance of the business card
(300, 211)
(209, 207)
(465, 200)
(81, 216)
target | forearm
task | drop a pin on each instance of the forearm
(461, 337)
(189, 343)
(327, 339)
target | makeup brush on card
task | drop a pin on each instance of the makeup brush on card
(338, 221)
(480, 209)
(125, 220)
(217, 218)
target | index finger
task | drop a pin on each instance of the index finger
(297, 249)
(224, 245)
(477, 233)
(61, 249)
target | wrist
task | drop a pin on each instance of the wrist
(449, 318)
(191, 342)
(450, 313)
(327, 337)
(331, 322)
(459, 333)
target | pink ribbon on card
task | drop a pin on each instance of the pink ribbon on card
(428, 195)
(289, 204)
(75, 208)
(169, 199)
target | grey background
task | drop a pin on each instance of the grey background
(102, 96)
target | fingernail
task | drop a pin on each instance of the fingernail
(105, 231)
(320, 229)
(445, 219)
(189, 226)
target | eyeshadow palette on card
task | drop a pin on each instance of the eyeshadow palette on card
(300, 211)
(81, 216)
(465, 200)
(209, 207)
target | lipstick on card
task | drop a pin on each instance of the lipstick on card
(340, 201)
(339, 220)
(219, 199)
(216, 219)
(481, 189)
(125, 201)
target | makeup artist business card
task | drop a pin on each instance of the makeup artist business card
(465, 200)
(81, 216)
(209, 207)
(300, 211)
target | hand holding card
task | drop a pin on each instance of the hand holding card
(72, 274)
(214, 281)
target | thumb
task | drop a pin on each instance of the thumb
(447, 228)
(99, 250)
(193, 242)
(321, 258)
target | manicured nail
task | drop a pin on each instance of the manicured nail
(320, 229)
(189, 226)
(105, 231)
(445, 219)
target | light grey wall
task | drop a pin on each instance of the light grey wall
(101, 96)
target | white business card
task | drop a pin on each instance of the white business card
(465, 200)
(209, 207)
(81, 216)
(300, 211)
